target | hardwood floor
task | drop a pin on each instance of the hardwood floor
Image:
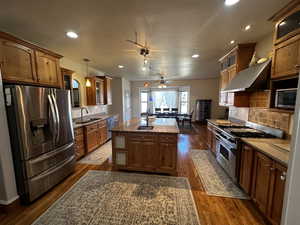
(211, 210)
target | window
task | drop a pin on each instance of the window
(144, 102)
(75, 93)
(184, 102)
(164, 99)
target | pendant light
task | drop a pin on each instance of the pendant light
(88, 82)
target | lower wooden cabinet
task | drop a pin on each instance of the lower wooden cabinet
(211, 138)
(264, 180)
(261, 181)
(247, 159)
(145, 152)
(79, 143)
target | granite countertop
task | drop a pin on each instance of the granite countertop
(277, 149)
(218, 122)
(161, 125)
(97, 117)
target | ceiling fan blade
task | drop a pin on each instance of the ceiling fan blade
(136, 43)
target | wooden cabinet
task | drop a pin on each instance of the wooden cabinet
(92, 137)
(151, 152)
(232, 63)
(286, 58)
(95, 93)
(48, 69)
(211, 138)
(276, 193)
(107, 82)
(17, 62)
(261, 181)
(246, 168)
(24, 63)
(286, 55)
(268, 183)
(79, 143)
(103, 131)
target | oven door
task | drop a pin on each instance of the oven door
(226, 157)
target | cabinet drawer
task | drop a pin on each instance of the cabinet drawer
(169, 138)
(78, 131)
(142, 137)
(92, 127)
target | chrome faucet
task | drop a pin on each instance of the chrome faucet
(81, 112)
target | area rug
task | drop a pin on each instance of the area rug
(98, 156)
(119, 198)
(214, 179)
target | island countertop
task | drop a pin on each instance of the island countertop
(161, 125)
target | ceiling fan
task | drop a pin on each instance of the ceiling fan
(162, 82)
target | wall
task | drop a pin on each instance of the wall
(117, 98)
(8, 190)
(126, 93)
(264, 46)
(291, 206)
(80, 74)
(199, 89)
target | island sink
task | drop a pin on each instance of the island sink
(145, 128)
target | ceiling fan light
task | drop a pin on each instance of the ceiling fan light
(231, 2)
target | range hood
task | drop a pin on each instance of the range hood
(250, 79)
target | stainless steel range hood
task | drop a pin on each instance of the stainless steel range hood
(252, 78)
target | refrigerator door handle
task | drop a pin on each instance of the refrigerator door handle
(57, 118)
(54, 124)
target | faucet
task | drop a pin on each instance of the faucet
(81, 112)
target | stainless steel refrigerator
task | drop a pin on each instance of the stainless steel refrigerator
(42, 139)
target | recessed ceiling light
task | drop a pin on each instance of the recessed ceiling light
(195, 56)
(231, 2)
(232, 42)
(72, 34)
(121, 66)
(248, 27)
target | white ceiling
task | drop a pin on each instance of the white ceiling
(179, 28)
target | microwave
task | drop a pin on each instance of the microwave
(286, 98)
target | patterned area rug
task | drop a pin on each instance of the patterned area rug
(214, 179)
(118, 198)
(98, 156)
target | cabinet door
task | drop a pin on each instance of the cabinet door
(247, 155)
(167, 156)
(142, 154)
(92, 139)
(209, 137)
(79, 146)
(223, 99)
(108, 91)
(276, 193)
(48, 69)
(17, 62)
(224, 79)
(231, 72)
(99, 92)
(286, 59)
(261, 181)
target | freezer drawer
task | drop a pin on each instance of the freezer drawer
(42, 183)
(46, 161)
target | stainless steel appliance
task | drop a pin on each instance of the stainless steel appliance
(42, 138)
(286, 98)
(228, 143)
(202, 110)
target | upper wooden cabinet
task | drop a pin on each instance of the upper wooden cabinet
(107, 82)
(17, 62)
(24, 63)
(286, 49)
(95, 92)
(233, 62)
(48, 69)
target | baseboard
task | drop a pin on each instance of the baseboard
(8, 202)
(10, 207)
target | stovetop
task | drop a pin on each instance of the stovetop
(247, 132)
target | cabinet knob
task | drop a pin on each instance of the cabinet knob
(272, 168)
(282, 177)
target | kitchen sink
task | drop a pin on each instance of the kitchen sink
(145, 128)
(87, 120)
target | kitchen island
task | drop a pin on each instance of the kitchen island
(152, 147)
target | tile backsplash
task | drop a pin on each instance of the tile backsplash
(92, 110)
(264, 116)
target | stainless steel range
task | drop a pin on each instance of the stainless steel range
(228, 143)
